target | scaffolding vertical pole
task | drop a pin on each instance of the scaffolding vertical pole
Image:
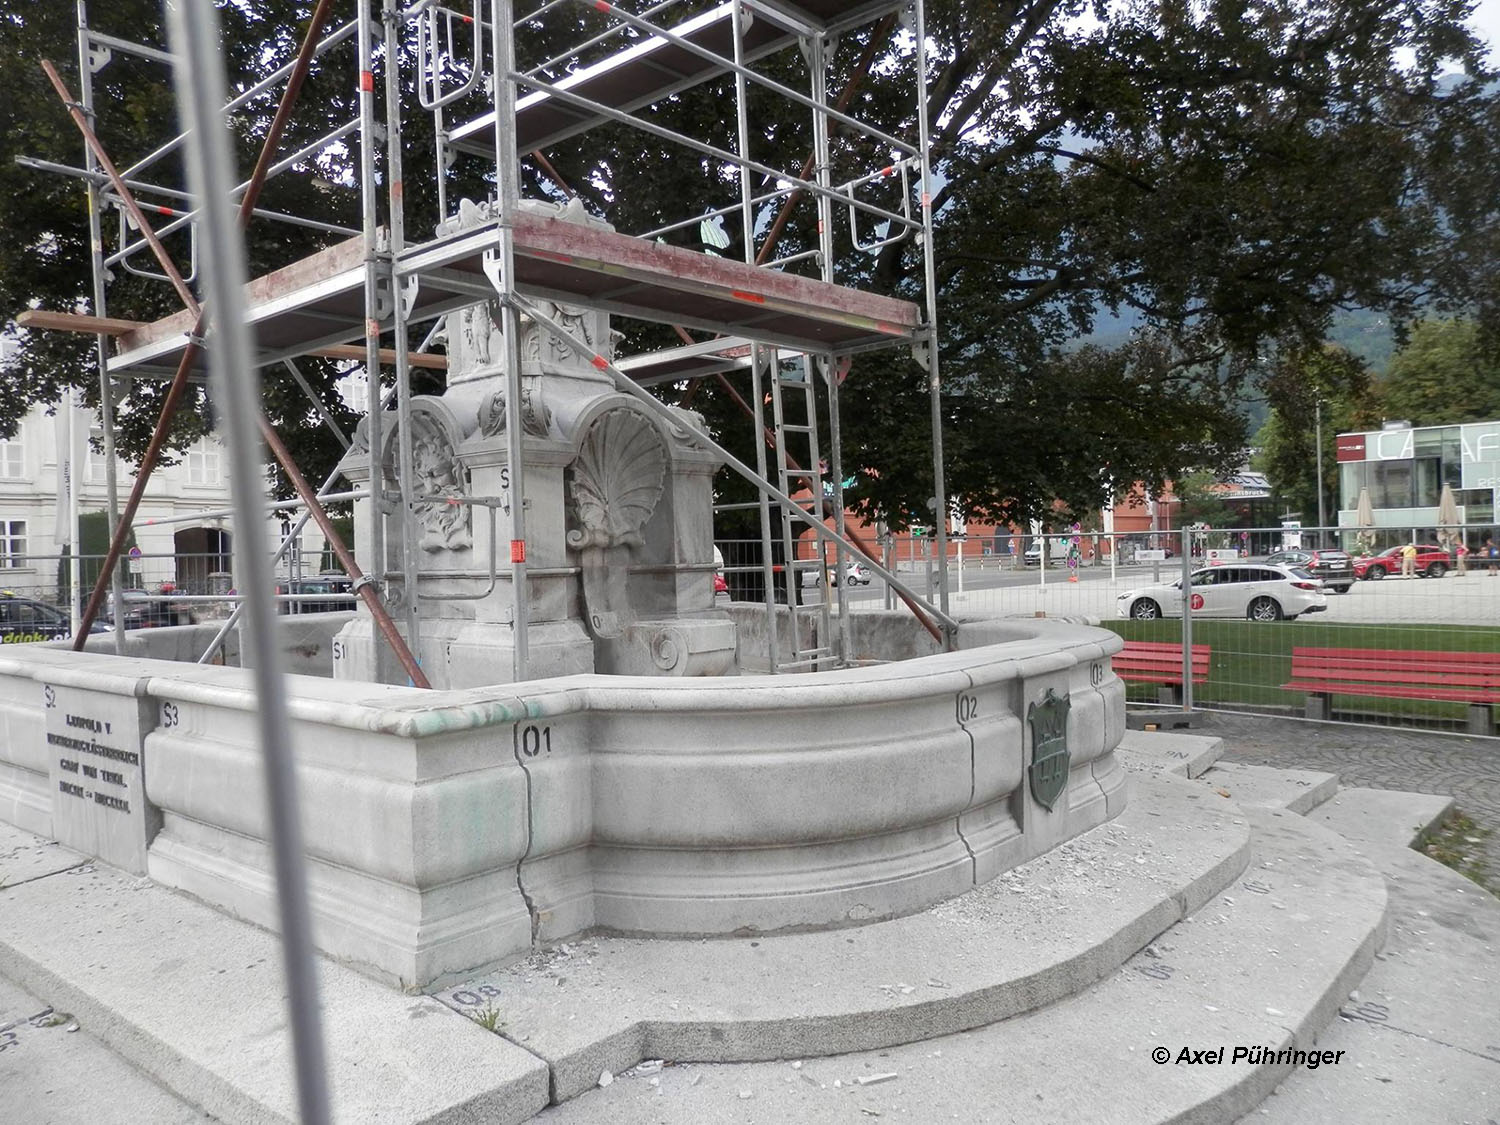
(742, 123)
(200, 93)
(508, 185)
(368, 199)
(101, 346)
(758, 405)
(397, 220)
(929, 263)
(817, 63)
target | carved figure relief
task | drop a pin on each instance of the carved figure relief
(439, 480)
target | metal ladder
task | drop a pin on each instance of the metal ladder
(813, 638)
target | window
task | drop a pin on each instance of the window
(12, 460)
(203, 463)
(96, 469)
(12, 543)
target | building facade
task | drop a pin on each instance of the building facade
(1402, 470)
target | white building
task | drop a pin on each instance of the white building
(34, 521)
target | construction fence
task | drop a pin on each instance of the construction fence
(1368, 644)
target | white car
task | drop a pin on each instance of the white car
(856, 573)
(1260, 592)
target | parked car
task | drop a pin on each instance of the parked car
(1432, 562)
(142, 611)
(1057, 552)
(1261, 592)
(1335, 568)
(721, 587)
(24, 620)
(338, 591)
(855, 572)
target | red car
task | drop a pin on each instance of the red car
(1432, 562)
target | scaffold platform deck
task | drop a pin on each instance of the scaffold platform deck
(319, 301)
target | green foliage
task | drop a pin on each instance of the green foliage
(1227, 175)
(1307, 386)
(1443, 374)
(93, 535)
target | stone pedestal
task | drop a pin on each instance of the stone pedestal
(619, 516)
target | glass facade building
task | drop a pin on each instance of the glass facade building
(1404, 470)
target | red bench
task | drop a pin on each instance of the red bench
(1160, 662)
(1450, 677)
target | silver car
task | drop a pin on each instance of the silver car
(1258, 591)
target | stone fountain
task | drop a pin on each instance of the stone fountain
(619, 518)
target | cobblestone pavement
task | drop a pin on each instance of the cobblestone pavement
(1375, 757)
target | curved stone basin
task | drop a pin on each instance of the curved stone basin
(451, 830)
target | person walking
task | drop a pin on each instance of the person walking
(1409, 561)
(1463, 558)
(1492, 556)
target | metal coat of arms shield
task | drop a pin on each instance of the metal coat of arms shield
(1049, 747)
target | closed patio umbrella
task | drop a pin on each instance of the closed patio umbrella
(1364, 519)
(1447, 518)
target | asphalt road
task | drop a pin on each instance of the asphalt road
(1472, 599)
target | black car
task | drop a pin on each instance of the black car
(24, 620)
(1335, 568)
(142, 611)
(337, 590)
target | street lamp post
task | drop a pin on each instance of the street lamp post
(1318, 438)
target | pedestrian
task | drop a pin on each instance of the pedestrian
(1409, 561)
(1463, 558)
(1492, 556)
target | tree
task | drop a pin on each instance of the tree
(1442, 375)
(1304, 386)
(1229, 173)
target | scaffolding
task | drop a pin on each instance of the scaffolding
(499, 82)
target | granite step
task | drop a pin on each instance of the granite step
(1423, 1025)
(1385, 816)
(1041, 932)
(1265, 965)
(1271, 787)
(196, 1000)
(1185, 755)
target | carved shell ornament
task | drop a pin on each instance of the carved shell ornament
(617, 482)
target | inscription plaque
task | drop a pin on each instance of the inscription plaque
(97, 769)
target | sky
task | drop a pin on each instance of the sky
(1486, 21)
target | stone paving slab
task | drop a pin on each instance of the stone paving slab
(1462, 766)
(1423, 1026)
(1271, 787)
(54, 1073)
(1265, 964)
(196, 999)
(1382, 816)
(1029, 937)
(24, 857)
(1186, 755)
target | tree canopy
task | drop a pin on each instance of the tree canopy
(1443, 374)
(1227, 173)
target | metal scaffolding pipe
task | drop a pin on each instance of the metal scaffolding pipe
(200, 87)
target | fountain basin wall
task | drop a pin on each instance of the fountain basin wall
(451, 830)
